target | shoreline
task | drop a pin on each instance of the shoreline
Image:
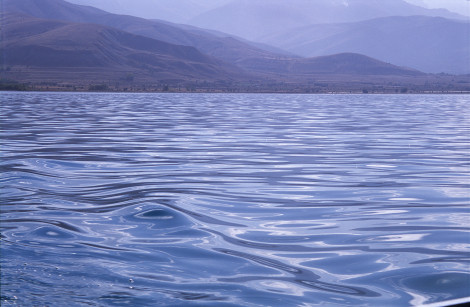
(240, 92)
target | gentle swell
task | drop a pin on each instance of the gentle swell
(234, 200)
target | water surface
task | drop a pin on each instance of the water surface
(234, 200)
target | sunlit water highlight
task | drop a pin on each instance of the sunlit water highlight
(234, 200)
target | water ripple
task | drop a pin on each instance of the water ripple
(234, 200)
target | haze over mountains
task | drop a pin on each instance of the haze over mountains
(222, 47)
(58, 45)
(225, 48)
(158, 51)
(183, 11)
(430, 44)
(256, 19)
(457, 6)
(370, 27)
(178, 11)
(313, 28)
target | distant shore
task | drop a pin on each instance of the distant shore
(22, 88)
(239, 88)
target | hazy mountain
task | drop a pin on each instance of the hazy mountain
(53, 9)
(86, 44)
(253, 19)
(179, 11)
(458, 6)
(42, 51)
(429, 44)
(59, 47)
(214, 44)
(340, 64)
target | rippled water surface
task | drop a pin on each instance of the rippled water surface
(234, 200)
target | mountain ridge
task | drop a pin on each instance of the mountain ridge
(224, 48)
(254, 19)
(34, 42)
(89, 49)
(429, 44)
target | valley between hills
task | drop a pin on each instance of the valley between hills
(56, 45)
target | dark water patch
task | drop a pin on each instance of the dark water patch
(104, 247)
(60, 224)
(444, 259)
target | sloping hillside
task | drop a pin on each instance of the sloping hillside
(93, 48)
(337, 64)
(230, 50)
(60, 46)
(223, 47)
(430, 44)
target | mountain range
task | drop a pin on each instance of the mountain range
(44, 39)
(223, 47)
(60, 46)
(430, 44)
(254, 19)
(300, 12)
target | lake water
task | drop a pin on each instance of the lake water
(234, 199)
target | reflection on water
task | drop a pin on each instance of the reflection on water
(234, 200)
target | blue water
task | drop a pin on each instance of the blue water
(234, 200)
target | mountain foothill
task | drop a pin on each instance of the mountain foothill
(59, 45)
